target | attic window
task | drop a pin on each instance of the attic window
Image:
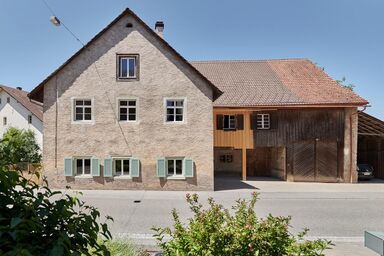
(8, 99)
(127, 67)
(129, 25)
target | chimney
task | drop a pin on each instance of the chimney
(19, 88)
(159, 28)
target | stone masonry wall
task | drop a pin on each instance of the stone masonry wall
(161, 75)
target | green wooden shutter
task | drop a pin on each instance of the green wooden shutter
(134, 167)
(68, 166)
(108, 167)
(160, 168)
(95, 166)
(188, 168)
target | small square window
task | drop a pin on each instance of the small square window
(4, 121)
(227, 158)
(121, 166)
(127, 66)
(127, 110)
(83, 166)
(175, 110)
(229, 122)
(29, 119)
(263, 121)
(82, 110)
(175, 167)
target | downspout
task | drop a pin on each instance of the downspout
(351, 168)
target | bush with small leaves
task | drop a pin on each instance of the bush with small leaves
(37, 221)
(215, 231)
(19, 146)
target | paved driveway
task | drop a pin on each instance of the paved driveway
(340, 212)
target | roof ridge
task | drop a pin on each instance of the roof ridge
(250, 60)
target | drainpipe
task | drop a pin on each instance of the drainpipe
(352, 168)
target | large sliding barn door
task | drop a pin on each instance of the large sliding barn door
(303, 161)
(326, 161)
(315, 161)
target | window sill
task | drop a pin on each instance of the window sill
(176, 178)
(86, 176)
(174, 122)
(128, 122)
(84, 122)
(127, 79)
(122, 177)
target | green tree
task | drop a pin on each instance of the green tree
(19, 146)
(215, 231)
(343, 83)
(37, 221)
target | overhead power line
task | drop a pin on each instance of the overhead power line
(60, 22)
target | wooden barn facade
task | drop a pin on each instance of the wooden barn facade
(283, 118)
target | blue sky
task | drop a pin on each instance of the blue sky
(343, 36)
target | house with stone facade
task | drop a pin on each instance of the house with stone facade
(18, 111)
(129, 112)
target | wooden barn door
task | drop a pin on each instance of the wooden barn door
(315, 161)
(326, 161)
(304, 161)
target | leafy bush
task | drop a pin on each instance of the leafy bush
(19, 146)
(122, 247)
(215, 231)
(37, 221)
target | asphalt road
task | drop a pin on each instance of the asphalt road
(339, 212)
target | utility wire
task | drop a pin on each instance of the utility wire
(98, 74)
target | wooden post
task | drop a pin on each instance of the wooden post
(244, 163)
(244, 147)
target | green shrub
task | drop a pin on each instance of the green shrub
(19, 146)
(122, 247)
(37, 221)
(215, 231)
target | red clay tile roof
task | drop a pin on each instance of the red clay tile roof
(22, 97)
(248, 83)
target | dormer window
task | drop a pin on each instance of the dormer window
(127, 67)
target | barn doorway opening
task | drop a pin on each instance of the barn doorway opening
(266, 162)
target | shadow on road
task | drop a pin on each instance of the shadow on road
(231, 183)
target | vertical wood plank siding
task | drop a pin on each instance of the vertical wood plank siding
(292, 125)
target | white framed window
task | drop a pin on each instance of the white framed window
(127, 66)
(82, 110)
(263, 121)
(128, 110)
(4, 121)
(121, 166)
(229, 122)
(83, 166)
(174, 110)
(29, 119)
(174, 167)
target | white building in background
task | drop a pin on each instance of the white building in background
(17, 110)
